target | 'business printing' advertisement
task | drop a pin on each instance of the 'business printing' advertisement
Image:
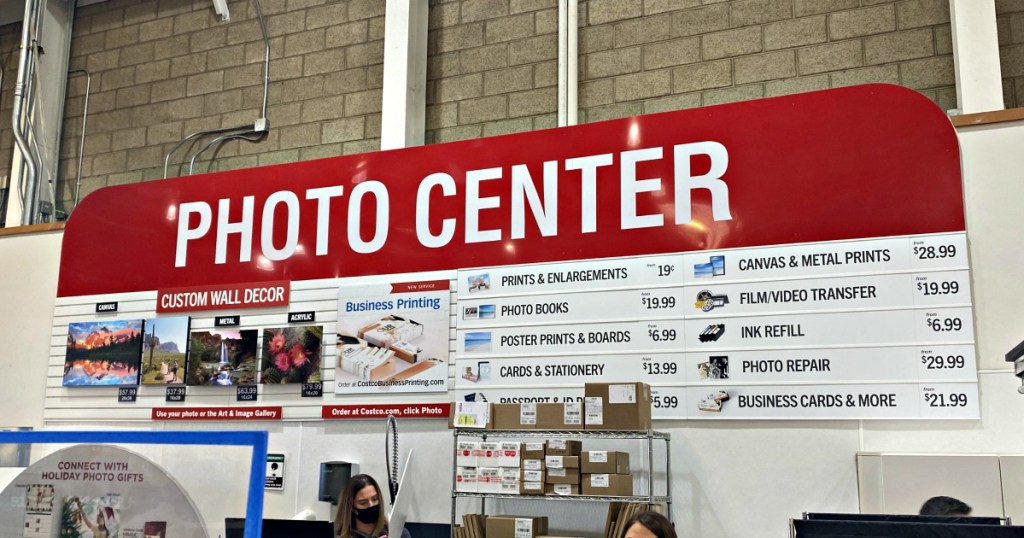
(393, 338)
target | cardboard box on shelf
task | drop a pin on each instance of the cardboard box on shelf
(466, 480)
(488, 480)
(533, 465)
(514, 416)
(511, 487)
(533, 450)
(560, 416)
(617, 406)
(466, 453)
(532, 476)
(533, 488)
(562, 462)
(561, 489)
(603, 461)
(510, 455)
(607, 484)
(516, 526)
(563, 447)
(562, 476)
(475, 415)
(489, 455)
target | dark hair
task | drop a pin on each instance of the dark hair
(346, 502)
(944, 506)
(654, 522)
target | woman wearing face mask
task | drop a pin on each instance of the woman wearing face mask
(361, 510)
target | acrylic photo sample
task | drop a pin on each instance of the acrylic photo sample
(165, 350)
(292, 354)
(104, 353)
(90, 517)
(222, 357)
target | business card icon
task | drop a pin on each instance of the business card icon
(714, 267)
(707, 301)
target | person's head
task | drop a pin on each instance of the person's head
(944, 506)
(649, 525)
(360, 501)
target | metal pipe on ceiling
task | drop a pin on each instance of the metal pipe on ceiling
(27, 182)
(260, 127)
(81, 140)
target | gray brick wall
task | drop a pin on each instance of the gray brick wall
(491, 68)
(163, 69)
(721, 51)
(1010, 24)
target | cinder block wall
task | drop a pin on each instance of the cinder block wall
(492, 68)
(1010, 22)
(642, 56)
(165, 68)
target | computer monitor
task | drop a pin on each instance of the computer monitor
(234, 527)
(403, 499)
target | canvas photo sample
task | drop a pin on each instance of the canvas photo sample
(222, 357)
(292, 354)
(90, 517)
(164, 350)
(103, 353)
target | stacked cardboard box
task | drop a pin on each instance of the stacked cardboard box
(516, 526)
(617, 406)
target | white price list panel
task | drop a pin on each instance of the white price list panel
(873, 328)
(931, 326)
(867, 256)
(854, 401)
(899, 290)
(643, 303)
(568, 370)
(833, 365)
(627, 336)
(667, 402)
(571, 276)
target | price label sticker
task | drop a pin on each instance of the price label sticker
(949, 400)
(945, 325)
(175, 394)
(127, 394)
(939, 251)
(312, 390)
(246, 393)
(945, 288)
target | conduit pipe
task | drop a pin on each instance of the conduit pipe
(568, 35)
(81, 140)
(26, 62)
(260, 127)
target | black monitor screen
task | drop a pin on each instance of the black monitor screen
(234, 527)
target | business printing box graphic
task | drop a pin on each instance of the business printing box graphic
(393, 338)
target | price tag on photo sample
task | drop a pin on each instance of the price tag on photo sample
(246, 393)
(127, 394)
(312, 390)
(175, 394)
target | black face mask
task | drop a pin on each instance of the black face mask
(368, 515)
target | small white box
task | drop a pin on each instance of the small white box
(466, 453)
(466, 480)
(489, 454)
(488, 480)
(510, 454)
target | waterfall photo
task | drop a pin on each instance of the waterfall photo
(222, 357)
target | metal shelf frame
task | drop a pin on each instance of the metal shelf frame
(647, 436)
